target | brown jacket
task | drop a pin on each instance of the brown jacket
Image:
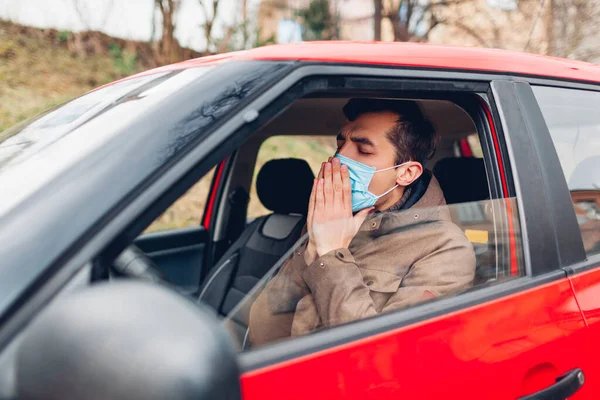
(396, 259)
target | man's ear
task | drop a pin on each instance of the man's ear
(408, 173)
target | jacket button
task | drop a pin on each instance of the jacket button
(322, 265)
(369, 283)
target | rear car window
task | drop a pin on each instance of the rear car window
(574, 123)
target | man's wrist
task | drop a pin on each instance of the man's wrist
(310, 254)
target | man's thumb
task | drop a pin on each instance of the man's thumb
(360, 216)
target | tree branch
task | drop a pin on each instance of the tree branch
(471, 32)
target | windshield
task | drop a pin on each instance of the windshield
(26, 139)
(50, 144)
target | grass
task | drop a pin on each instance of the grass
(38, 72)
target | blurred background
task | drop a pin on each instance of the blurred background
(54, 50)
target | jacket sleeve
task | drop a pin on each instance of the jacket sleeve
(341, 295)
(272, 313)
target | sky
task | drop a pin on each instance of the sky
(127, 19)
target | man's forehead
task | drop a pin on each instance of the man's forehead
(365, 127)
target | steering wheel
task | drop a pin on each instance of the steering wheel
(134, 263)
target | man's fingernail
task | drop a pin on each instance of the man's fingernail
(344, 167)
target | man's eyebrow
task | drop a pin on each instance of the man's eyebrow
(351, 134)
(361, 140)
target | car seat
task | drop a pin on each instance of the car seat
(283, 186)
(464, 183)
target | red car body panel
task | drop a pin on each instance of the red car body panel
(587, 291)
(412, 55)
(493, 351)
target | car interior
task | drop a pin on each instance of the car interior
(221, 262)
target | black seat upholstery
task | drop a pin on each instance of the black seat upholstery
(284, 187)
(465, 186)
(462, 179)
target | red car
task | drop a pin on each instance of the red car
(96, 303)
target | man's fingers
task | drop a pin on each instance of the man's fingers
(338, 199)
(328, 189)
(320, 201)
(346, 188)
(311, 205)
(321, 170)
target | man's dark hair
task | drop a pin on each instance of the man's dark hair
(413, 136)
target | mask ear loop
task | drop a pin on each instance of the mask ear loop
(386, 169)
(381, 195)
(395, 166)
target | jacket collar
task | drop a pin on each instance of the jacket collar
(426, 203)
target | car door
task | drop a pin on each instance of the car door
(509, 338)
(571, 116)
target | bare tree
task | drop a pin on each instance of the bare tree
(377, 19)
(168, 46)
(79, 10)
(571, 29)
(88, 41)
(209, 10)
(411, 20)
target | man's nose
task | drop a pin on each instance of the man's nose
(344, 150)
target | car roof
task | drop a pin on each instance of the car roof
(414, 55)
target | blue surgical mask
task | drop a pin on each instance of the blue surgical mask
(360, 178)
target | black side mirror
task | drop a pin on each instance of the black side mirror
(127, 340)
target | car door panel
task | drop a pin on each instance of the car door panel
(492, 350)
(515, 345)
(586, 286)
(569, 118)
(178, 253)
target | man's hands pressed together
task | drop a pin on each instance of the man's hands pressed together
(330, 222)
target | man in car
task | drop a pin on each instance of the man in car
(379, 235)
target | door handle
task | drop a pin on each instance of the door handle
(566, 385)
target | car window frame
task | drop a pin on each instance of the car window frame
(330, 338)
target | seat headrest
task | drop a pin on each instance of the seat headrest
(462, 179)
(284, 185)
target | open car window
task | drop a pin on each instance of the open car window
(485, 249)
(447, 235)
